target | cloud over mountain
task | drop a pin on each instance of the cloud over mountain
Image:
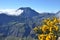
(11, 12)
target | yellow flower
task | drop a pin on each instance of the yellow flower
(44, 28)
(49, 25)
(35, 29)
(55, 20)
(41, 36)
(56, 27)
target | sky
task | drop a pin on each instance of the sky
(38, 5)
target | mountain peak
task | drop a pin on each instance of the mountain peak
(22, 8)
(58, 12)
(27, 9)
(28, 12)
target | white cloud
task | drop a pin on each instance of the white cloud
(11, 11)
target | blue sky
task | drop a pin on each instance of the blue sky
(38, 5)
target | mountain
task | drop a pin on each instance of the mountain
(58, 14)
(27, 13)
(6, 18)
(21, 26)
